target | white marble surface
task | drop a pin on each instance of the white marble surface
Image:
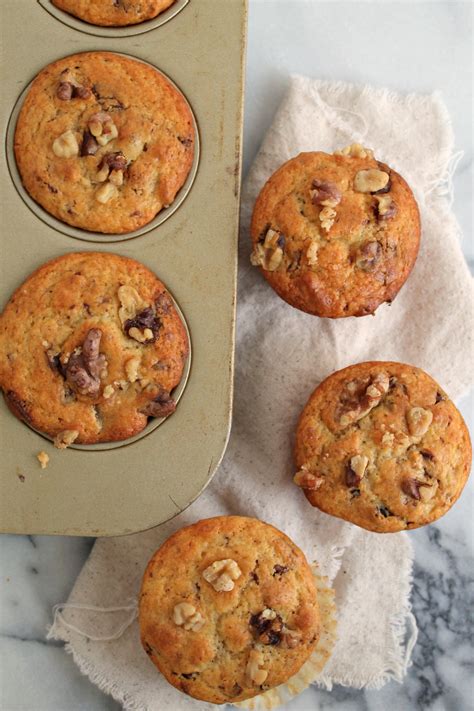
(408, 46)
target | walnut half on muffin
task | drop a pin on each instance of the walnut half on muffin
(228, 609)
(336, 235)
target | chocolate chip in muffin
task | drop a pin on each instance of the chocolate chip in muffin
(89, 145)
(267, 625)
(280, 570)
(411, 487)
(161, 406)
(85, 368)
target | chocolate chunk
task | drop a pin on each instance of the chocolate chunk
(384, 511)
(163, 304)
(81, 92)
(279, 569)
(355, 493)
(268, 630)
(439, 397)
(352, 479)
(89, 145)
(185, 141)
(411, 487)
(426, 454)
(84, 369)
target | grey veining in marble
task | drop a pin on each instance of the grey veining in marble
(409, 46)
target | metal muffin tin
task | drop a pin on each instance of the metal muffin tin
(133, 485)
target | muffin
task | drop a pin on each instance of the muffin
(228, 609)
(103, 142)
(382, 446)
(114, 13)
(91, 347)
(336, 235)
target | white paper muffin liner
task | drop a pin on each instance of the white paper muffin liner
(313, 667)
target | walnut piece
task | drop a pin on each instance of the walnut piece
(418, 421)
(68, 90)
(254, 672)
(43, 459)
(269, 253)
(304, 479)
(360, 403)
(355, 150)
(86, 366)
(290, 638)
(326, 194)
(185, 615)
(65, 438)
(370, 181)
(66, 145)
(108, 391)
(427, 491)
(130, 302)
(386, 208)
(102, 127)
(312, 253)
(355, 470)
(221, 574)
(112, 166)
(131, 368)
(161, 406)
(106, 192)
(327, 217)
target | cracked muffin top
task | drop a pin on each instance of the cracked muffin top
(114, 13)
(228, 609)
(382, 446)
(335, 235)
(103, 142)
(91, 346)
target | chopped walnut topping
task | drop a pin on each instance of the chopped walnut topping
(267, 625)
(269, 253)
(66, 145)
(43, 459)
(106, 192)
(304, 479)
(108, 391)
(356, 469)
(162, 406)
(65, 439)
(418, 421)
(326, 194)
(312, 253)
(355, 150)
(68, 90)
(102, 127)
(254, 672)
(427, 491)
(361, 401)
(327, 217)
(290, 638)
(140, 336)
(386, 208)
(130, 302)
(86, 366)
(185, 615)
(371, 181)
(221, 574)
(131, 368)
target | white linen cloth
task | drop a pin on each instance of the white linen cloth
(282, 354)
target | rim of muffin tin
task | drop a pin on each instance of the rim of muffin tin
(118, 31)
(77, 232)
(153, 422)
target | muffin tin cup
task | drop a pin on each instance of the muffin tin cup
(122, 487)
(76, 232)
(128, 31)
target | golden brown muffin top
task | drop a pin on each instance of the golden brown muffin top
(381, 445)
(228, 609)
(103, 142)
(335, 235)
(113, 13)
(91, 344)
